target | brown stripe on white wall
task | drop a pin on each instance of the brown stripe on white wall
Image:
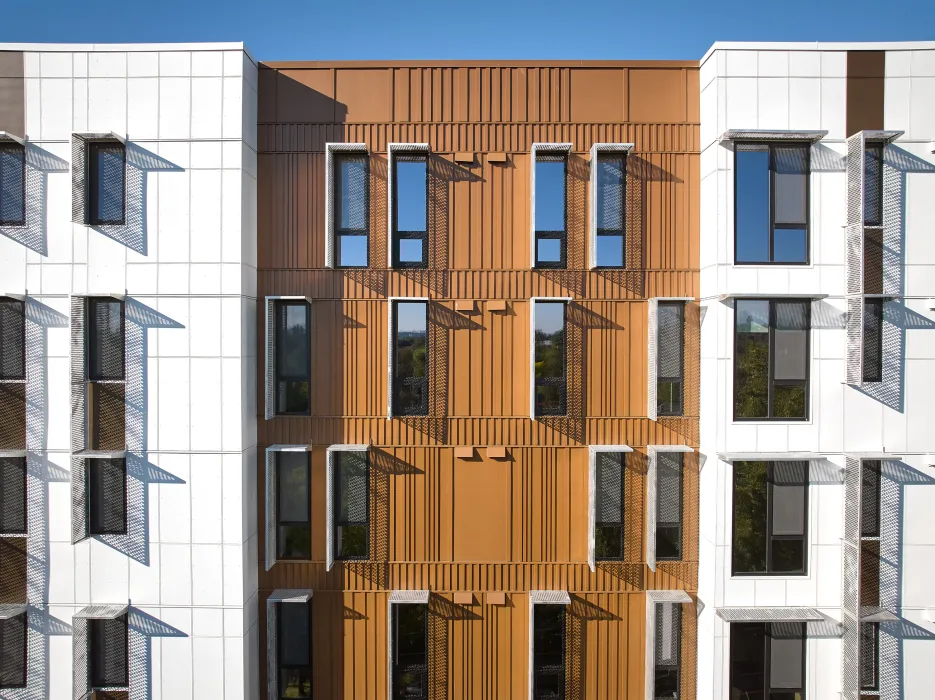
(865, 71)
(12, 93)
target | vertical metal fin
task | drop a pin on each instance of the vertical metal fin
(79, 179)
(79, 500)
(651, 508)
(592, 506)
(854, 237)
(78, 373)
(329, 510)
(329, 205)
(592, 230)
(79, 640)
(651, 335)
(854, 350)
(532, 209)
(390, 328)
(271, 544)
(272, 648)
(270, 357)
(850, 604)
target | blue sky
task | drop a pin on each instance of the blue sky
(433, 29)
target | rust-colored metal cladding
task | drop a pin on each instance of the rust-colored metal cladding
(476, 501)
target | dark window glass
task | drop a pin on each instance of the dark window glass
(107, 496)
(352, 505)
(771, 359)
(767, 661)
(550, 357)
(12, 185)
(870, 498)
(106, 340)
(771, 203)
(410, 651)
(548, 652)
(670, 351)
(410, 211)
(292, 477)
(873, 340)
(410, 359)
(295, 650)
(293, 370)
(13, 495)
(873, 184)
(770, 517)
(106, 174)
(869, 656)
(668, 506)
(13, 652)
(611, 171)
(351, 210)
(667, 656)
(108, 652)
(609, 530)
(12, 339)
(551, 241)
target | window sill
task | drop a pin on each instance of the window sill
(777, 421)
(773, 265)
(769, 577)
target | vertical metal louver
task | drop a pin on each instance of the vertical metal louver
(850, 642)
(79, 179)
(854, 237)
(79, 373)
(79, 641)
(651, 352)
(271, 502)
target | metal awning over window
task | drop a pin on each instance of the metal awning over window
(770, 295)
(767, 456)
(732, 135)
(874, 613)
(651, 478)
(593, 451)
(7, 137)
(102, 612)
(732, 614)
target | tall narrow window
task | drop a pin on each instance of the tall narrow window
(870, 498)
(550, 212)
(873, 340)
(667, 654)
(352, 210)
(108, 652)
(410, 210)
(13, 652)
(670, 356)
(12, 184)
(292, 512)
(106, 176)
(352, 511)
(609, 530)
(770, 520)
(669, 506)
(550, 361)
(767, 660)
(410, 358)
(771, 195)
(12, 495)
(295, 650)
(611, 206)
(771, 357)
(410, 651)
(106, 374)
(869, 656)
(548, 652)
(107, 496)
(293, 368)
(873, 184)
(12, 339)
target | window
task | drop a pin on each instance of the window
(108, 652)
(293, 319)
(770, 518)
(351, 209)
(292, 511)
(669, 506)
(670, 358)
(410, 651)
(771, 359)
(13, 651)
(352, 496)
(609, 530)
(12, 184)
(873, 184)
(611, 173)
(410, 358)
(767, 660)
(548, 652)
(12, 495)
(549, 360)
(12, 339)
(771, 200)
(295, 650)
(870, 498)
(667, 652)
(550, 210)
(107, 496)
(107, 374)
(869, 656)
(873, 340)
(410, 210)
(106, 174)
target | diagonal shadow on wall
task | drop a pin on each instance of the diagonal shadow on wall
(40, 163)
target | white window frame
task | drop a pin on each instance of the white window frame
(270, 375)
(330, 150)
(652, 342)
(561, 148)
(391, 150)
(532, 347)
(541, 598)
(651, 452)
(593, 451)
(596, 150)
(329, 497)
(280, 595)
(397, 597)
(391, 327)
(654, 598)
(272, 503)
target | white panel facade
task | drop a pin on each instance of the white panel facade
(186, 261)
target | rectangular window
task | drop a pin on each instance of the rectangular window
(106, 340)
(548, 652)
(352, 499)
(410, 651)
(873, 184)
(352, 209)
(667, 654)
(107, 496)
(108, 652)
(551, 219)
(12, 495)
(550, 360)
(669, 506)
(106, 176)
(771, 200)
(410, 358)
(13, 652)
(771, 355)
(770, 518)
(12, 339)
(292, 510)
(611, 210)
(12, 184)
(670, 358)
(293, 368)
(869, 656)
(410, 210)
(295, 650)
(873, 340)
(767, 660)
(609, 530)
(870, 498)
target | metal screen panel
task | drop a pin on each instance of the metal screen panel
(271, 501)
(850, 603)
(391, 151)
(79, 179)
(771, 135)
(854, 239)
(592, 506)
(597, 148)
(272, 648)
(270, 357)
(732, 614)
(537, 148)
(329, 509)
(79, 500)
(652, 337)
(78, 373)
(330, 150)
(854, 332)
(79, 640)
(651, 508)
